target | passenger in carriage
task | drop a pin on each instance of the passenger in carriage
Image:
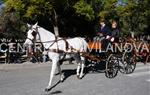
(115, 32)
(103, 32)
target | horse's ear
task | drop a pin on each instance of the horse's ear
(36, 24)
(28, 25)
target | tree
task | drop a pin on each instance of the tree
(81, 16)
(38, 10)
(12, 26)
(84, 9)
(29, 9)
(133, 15)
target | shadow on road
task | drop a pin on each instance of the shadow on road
(96, 67)
(99, 68)
(53, 93)
(68, 72)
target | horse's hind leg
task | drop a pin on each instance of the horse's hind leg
(78, 60)
(60, 72)
(147, 57)
(82, 67)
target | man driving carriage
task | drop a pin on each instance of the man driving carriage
(102, 31)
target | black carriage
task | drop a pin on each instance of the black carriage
(110, 61)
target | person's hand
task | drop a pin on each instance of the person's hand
(108, 37)
(100, 34)
(112, 39)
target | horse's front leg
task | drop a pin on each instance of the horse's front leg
(53, 68)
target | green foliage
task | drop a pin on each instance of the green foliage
(12, 26)
(108, 8)
(84, 9)
(14, 4)
(29, 8)
(38, 7)
(133, 15)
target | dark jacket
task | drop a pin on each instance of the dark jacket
(115, 33)
(105, 30)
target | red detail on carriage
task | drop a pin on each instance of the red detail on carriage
(94, 45)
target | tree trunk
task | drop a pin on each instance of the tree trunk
(132, 34)
(55, 25)
(56, 31)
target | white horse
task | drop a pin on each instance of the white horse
(57, 49)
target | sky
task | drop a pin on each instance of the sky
(1, 5)
(0, 2)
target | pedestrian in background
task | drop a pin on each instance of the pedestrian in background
(45, 53)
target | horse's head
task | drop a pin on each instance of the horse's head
(31, 35)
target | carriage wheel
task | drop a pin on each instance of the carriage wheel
(111, 66)
(129, 63)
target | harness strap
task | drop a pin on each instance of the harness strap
(31, 40)
(54, 41)
(62, 51)
(55, 50)
(67, 45)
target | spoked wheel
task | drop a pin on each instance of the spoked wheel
(111, 66)
(128, 63)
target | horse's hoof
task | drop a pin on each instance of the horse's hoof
(47, 89)
(61, 81)
(78, 77)
(57, 74)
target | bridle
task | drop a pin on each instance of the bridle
(35, 30)
(32, 40)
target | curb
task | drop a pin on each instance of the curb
(23, 65)
(26, 65)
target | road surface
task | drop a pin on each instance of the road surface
(31, 79)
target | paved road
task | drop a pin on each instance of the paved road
(31, 79)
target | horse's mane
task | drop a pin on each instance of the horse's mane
(46, 32)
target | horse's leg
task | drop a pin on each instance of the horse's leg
(78, 61)
(77, 58)
(54, 64)
(147, 57)
(82, 67)
(78, 70)
(60, 72)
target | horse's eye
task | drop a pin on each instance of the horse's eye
(34, 33)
